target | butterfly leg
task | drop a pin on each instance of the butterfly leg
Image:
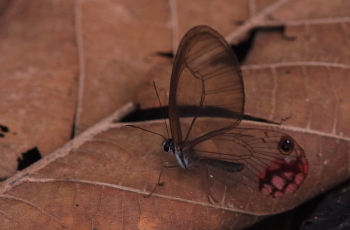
(160, 175)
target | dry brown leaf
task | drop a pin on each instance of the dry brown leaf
(99, 180)
(88, 58)
(38, 79)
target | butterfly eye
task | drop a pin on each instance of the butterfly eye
(167, 145)
(286, 145)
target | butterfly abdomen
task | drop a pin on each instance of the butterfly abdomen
(223, 165)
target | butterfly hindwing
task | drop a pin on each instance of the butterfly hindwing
(273, 161)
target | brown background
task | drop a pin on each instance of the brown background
(65, 65)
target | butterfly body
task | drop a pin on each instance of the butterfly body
(182, 159)
(188, 160)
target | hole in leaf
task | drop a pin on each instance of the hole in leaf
(3, 129)
(165, 54)
(28, 158)
(157, 113)
(243, 48)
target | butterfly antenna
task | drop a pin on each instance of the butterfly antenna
(166, 126)
(133, 126)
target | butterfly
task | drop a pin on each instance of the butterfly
(206, 81)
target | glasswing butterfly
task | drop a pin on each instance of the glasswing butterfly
(206, 81)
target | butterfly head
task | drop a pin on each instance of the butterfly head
(168, 145)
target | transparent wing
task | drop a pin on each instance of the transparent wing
(273, 162)
(206, 81)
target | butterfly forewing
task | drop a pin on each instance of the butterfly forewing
(206, 81)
